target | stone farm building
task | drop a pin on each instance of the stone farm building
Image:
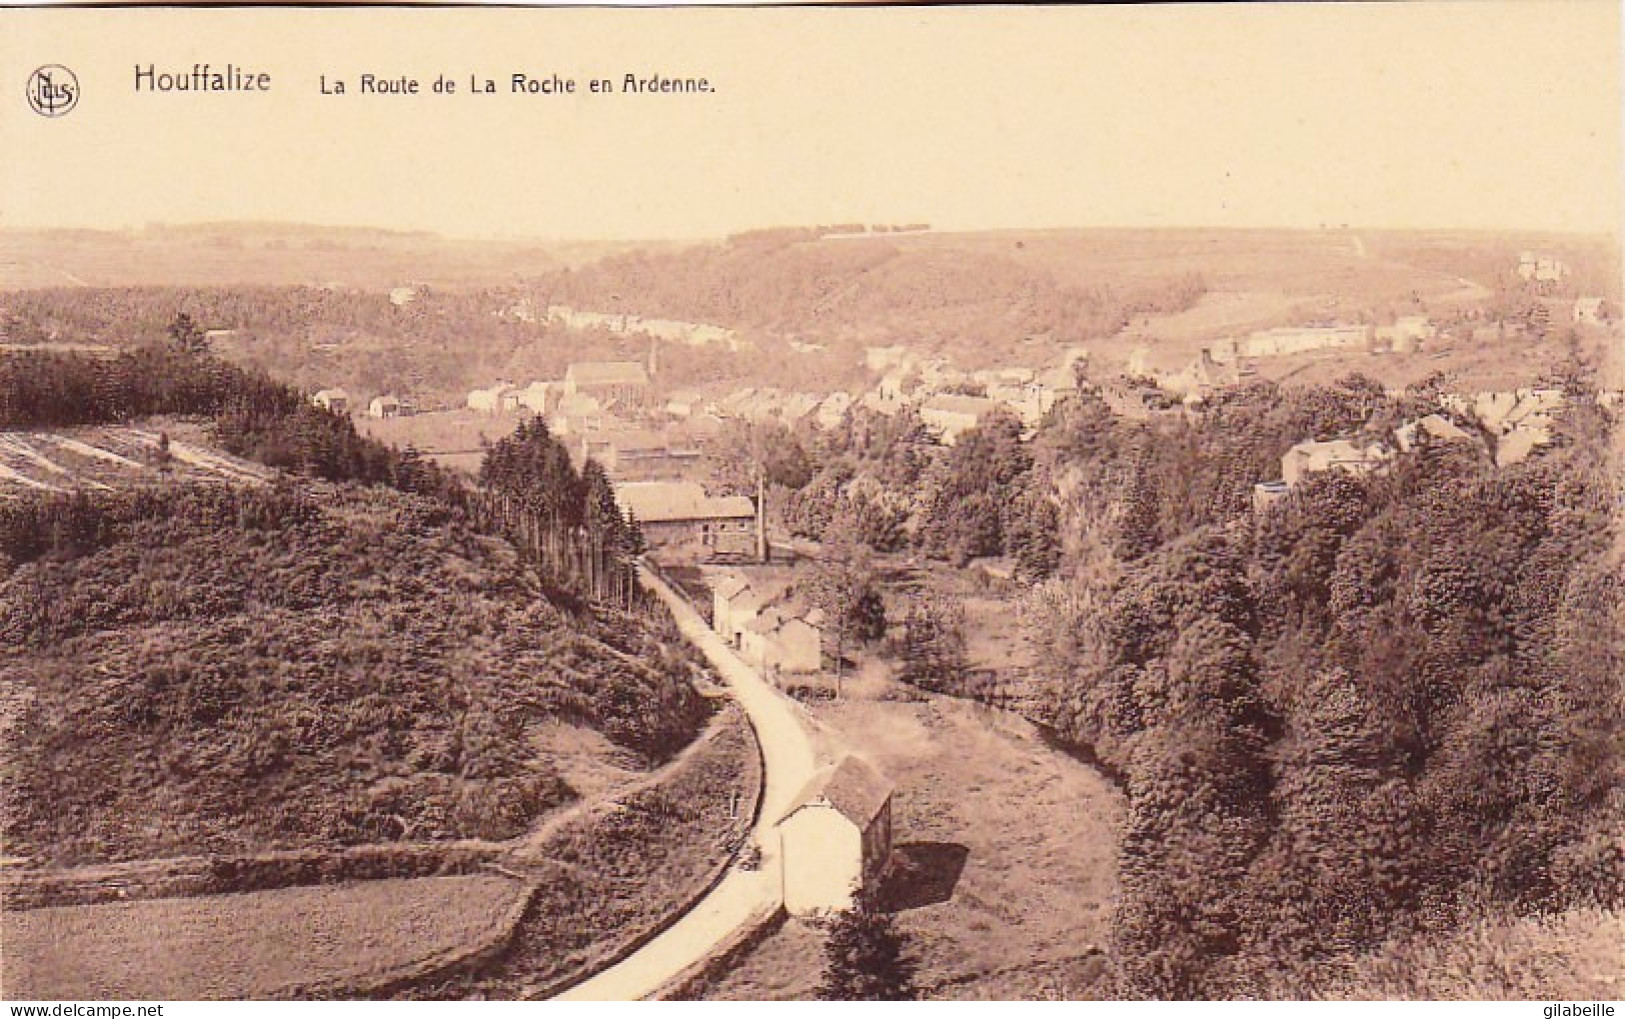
(836, 838)
(624, 382)
(677, 514)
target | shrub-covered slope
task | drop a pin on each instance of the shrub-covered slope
(218, 670)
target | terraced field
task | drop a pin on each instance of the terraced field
(109, 458)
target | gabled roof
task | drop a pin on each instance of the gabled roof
(658, 501)
(761, 594)
(854, 788)
(729, 586)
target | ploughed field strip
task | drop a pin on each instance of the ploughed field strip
(110, 458)
(252, 945)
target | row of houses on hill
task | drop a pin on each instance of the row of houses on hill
(621, 383)
(951, 401)
(692, 334)
(1519, 423)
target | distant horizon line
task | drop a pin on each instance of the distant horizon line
(155, 226)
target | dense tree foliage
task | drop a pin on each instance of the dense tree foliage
(1382, 705)
(568, 522)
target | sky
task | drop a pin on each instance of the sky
(1474, 115)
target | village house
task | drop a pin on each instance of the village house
(640, 455)
(1503, 411)
(952, 416)
(1406, 335)
(1200, 378)
(677, 514)
(1028, 400)
(489, 401)
(1336, 455)
(1433, 428)
(723, 592)
(387, 407)
(1267, 493)
(780, 640)
(625, 382)
(1516, 445)
(836, 838)
(530, 400)
(893, 388)
(873, 401)
(1590, 311)
(736, 602)
(576, 414)
(336, 401)
(1534, 268)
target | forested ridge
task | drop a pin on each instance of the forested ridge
(1388, 704)
(351, 654)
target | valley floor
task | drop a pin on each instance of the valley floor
(1004, 855)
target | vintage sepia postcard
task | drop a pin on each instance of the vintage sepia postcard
(855, 502)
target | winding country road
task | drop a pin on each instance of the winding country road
(742, 896)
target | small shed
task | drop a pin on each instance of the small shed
(836, 838)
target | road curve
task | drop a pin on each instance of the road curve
(741, 896)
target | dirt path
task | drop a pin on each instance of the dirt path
(742, 896)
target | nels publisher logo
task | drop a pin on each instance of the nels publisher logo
(53, 91)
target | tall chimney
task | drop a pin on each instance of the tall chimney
(761, 516)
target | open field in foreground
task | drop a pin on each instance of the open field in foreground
(994, 903)
(245, 946)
